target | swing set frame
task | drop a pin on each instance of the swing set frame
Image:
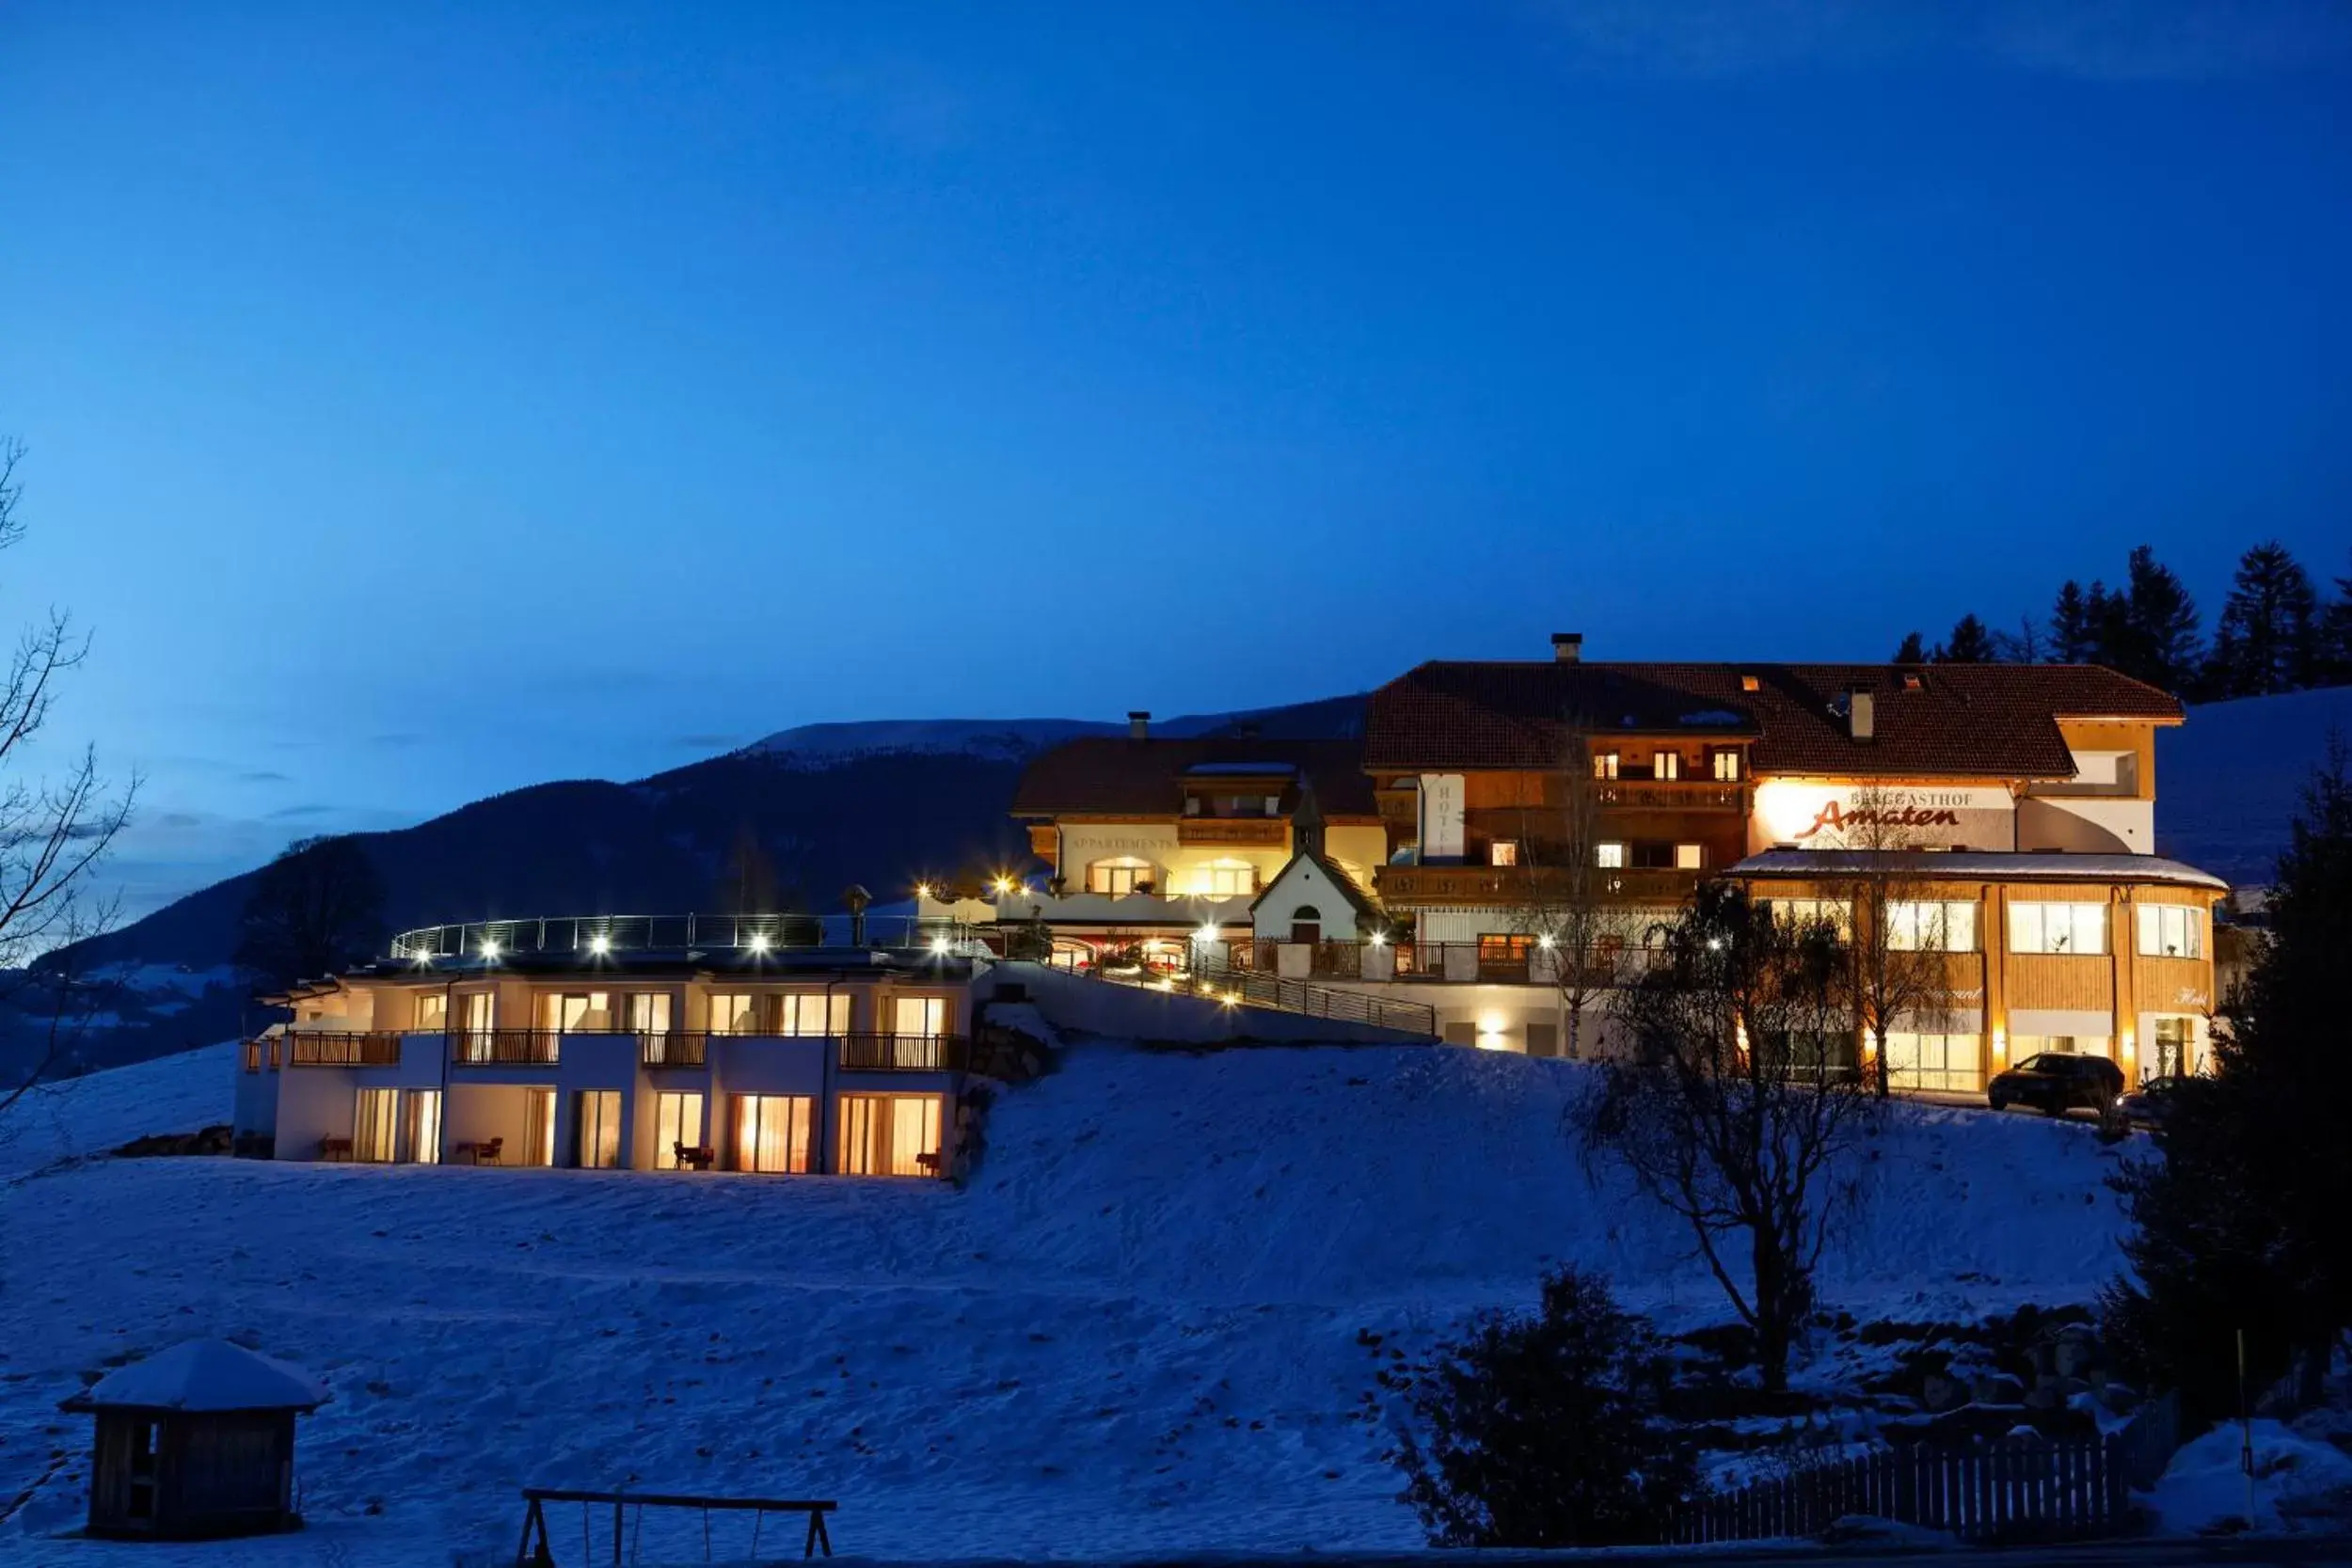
(540, 1553)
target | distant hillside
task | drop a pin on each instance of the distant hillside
(2230, 780)
(883, 804)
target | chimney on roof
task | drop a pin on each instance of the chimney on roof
(1140, 724)
(1567, 647)
(1861, 715)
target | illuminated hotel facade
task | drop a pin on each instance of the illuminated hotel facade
(2005, 815)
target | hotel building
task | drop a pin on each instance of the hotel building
(2005, 814)
(724, 1043)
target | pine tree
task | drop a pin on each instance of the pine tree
(2073, 631)
(2150, 629)
(1911, 652)
(2335, 636)
(2238, 1223)
(2268, 638)
(1970, 644)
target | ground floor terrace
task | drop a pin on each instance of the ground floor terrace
(862, 1105)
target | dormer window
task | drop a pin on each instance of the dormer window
(1749, 683)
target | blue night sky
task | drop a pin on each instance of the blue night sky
(432, 399)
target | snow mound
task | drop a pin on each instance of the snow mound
(1152, 1323)
(2297, 1480)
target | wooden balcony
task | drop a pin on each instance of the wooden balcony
(877, 1053)
(1260, 830)
(1669, 795)
(324, 1050)
(1519, 884)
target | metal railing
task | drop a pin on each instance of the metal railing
(322, 1050)
(673, 1048)
(885, 1053)
(505, 1047)
(596, 935)
(1243, 987)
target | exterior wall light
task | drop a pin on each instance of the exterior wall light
(490, 949)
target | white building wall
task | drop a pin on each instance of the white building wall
(2086, 824)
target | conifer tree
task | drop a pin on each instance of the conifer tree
(2073, 631)
(1970, 644)
(2267, 639)
(1911, 652)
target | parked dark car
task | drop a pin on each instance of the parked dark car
(2055, 1084)
(2153, 1103)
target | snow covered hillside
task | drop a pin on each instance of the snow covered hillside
(1018, 739)
(2228, 781)
(1137, 1330)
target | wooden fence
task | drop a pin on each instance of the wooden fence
(2008, 1489)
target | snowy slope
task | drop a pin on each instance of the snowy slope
(1017, 739)
(2228, 781)
(82, 1116)
(1136, 1331)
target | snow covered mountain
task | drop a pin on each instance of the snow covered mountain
(1155, 1322)
(1018, 739)
(2229, 781)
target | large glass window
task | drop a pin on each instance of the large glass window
(919, 1015)
(424, 1126)
(2172, 1048)
(649, 1012)
(1229, 879)
(677, 1123)
(1119, 876)
(1726, 767)
(1932, 926)
(538, 1127)
(1933, 1061)
(2058, 928)
(1666, 765)
(812, 1013)
(598, 1113)
(432, 1012)
(2172, 931)
(479, 1009)
(732, 1013)
(1836, 913)
(375, 1125)
(772, 1133)
(890, 1134)
(566, 1012)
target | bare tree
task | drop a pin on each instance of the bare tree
(1563, 896)
(1737, 1106)
(53, 830)
(316, 909)
(1893, 935)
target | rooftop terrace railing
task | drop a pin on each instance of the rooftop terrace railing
(594, 935)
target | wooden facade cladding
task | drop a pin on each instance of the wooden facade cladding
(1045, 843)
(2174, 986)
(1489, 885)
(2078, 982)
(1262, 831)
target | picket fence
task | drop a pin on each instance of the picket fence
(2005, 1489)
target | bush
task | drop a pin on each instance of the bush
(1543, 1431)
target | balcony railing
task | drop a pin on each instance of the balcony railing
(1669, 795)
(1272, 831)
(505, 1047)
(872, 1052)
(673, 1048)
(1510, 884)
(321, 1050)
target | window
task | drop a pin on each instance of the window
(1933, 1061)
(1726, 767)
(1503, 950)
(2172, 1048)
(2058, 928)
(2172, 931)
(890, 1134)
(772, 1133)
(1802, 1054)
(538, 1127)
(1604, 765)
(1666, 765)
(649, 1012)
(1932, 926)
(375, 1125)
(1503, 852)
(480, 1011)
(812, 1013)
(732, 1013)
(432, 1015)
(424, 1126)
(919, 1015)
(1690, 857)
(1609, 857)
(677, 1120)
(1834, 913)
(1231, 879)
(1118, 878)
(577, 1010)
(597, 1113)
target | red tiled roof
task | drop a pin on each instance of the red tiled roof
(1114, 775)
(1996, 720)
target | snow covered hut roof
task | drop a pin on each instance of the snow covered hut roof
(203, 1375)
(1985, 866)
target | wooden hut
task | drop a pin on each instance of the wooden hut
(196, 1442)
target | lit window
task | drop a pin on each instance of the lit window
(1503, 852)
(731, 1013)
(1726, 767)
(1609, 857)
(1231, 879)
(1933, 1061)
(1836, 913)
(773, 1132)
(1666, 765)
(2058, 928)
(889, 1135)
(812, 1013)
(1118, 878)
(1604, 765)
(1932, 927)
(2172, 931)
(1690, 857)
